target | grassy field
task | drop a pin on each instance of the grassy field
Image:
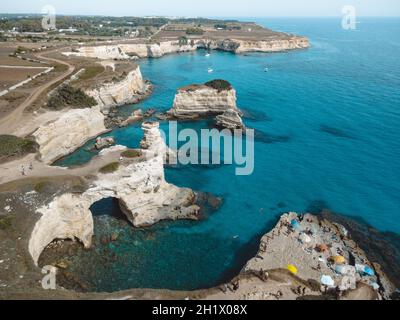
(11, 146)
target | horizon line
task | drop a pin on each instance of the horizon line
(198, 17)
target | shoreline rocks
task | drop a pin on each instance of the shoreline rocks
(230, 119)
(102, 143)
(296, 241)
(70, 131)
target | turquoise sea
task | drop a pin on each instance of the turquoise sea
(328, 136)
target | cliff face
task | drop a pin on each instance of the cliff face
(71, 130)
(139, 185)
(202, 101)
(155, 50)
(119, 93)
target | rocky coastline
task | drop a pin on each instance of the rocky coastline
(303, 257)
(157, 50)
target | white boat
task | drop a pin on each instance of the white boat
(210, 70)
(266, 69)
(207, 55)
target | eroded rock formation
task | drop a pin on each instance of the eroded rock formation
(120, 93)
(198, 101)
(71, 130)
(139, 185)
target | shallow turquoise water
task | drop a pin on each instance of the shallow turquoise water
(328, 135)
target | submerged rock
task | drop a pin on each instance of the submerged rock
(230, 119)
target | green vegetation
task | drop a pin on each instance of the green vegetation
(15, 146)
(41, 186)
(91, 71)
(131, 153)
(219, 85)
(5, 223)
(183, 41)
(194, 31)
(68, 96)
(110, 168)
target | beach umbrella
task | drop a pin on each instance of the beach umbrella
(338, 259)
(295, 225)
(305, 238)
(292, 269)
(327, 281)
(369, 271)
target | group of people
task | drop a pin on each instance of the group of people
(23, 169)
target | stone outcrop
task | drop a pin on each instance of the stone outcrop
(198, 101)
(139, 185)
(70, 131)
(155, 50)
(120, 93)
(230, 119)
(102, 143)
(318, 250)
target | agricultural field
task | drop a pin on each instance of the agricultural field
(11, 75)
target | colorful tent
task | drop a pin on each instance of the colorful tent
(338, 259)
(327, 281)
(292, 269)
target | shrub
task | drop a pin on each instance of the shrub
(15, 146)
(194, 31)
(131, 153)
(5, 223)
(41, 186)
(68, 96)
(90, 72)
(110, 168)
(183, 41)
(219, 85)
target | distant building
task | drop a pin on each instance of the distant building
(68, 30)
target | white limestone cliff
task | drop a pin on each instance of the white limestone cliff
(139, 185)
(201, 100)
(70, 131)
(119, 93)
(155, 50)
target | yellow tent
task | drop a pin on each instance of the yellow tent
(338, 259)
(292, 269)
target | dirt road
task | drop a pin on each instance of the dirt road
(9, 123)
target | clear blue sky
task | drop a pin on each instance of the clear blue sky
(206, 8)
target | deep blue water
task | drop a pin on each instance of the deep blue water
(328, 134)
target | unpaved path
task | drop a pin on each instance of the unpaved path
(9, 123)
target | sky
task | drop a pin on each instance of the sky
(205, 8)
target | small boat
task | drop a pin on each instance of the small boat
(266, 69)
(210, 70)
(236, 237)
(207, 55)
